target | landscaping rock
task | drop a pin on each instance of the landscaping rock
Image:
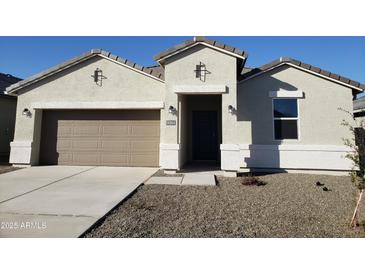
(290, 205)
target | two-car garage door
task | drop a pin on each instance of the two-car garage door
(100, 137)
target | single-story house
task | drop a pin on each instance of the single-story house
(199, 103)
(7, 116)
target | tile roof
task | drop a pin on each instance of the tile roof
(7, 80)
(152, 71)
(287, 60)
(200, 39)
(359, 104)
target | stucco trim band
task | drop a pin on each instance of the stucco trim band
(20, 152)
(315, 157)
(99, 105)
(230, 157)
(286, 94)
(296, 147)
(169, 156)
(200, 89)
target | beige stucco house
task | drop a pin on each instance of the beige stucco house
(199, 103)
(7, 116)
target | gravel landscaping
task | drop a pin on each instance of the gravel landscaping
(7, 168)
(289, 205)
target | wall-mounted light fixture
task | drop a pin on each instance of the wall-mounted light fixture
(201, 71)
(98, 77)
(26, 112)
(231, 109)
(172, 110)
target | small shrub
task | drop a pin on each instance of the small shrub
(252, 181)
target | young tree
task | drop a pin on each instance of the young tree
(357, 157)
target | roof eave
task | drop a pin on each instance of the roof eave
(81, 58)
(358, 88)
(49, 72)
(164, 57)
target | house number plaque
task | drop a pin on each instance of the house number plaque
(170, 123)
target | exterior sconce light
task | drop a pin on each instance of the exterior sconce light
(98, 77)
(172, 109)
(231, 109)
(97, 72)
(26, 112)
(201, 71)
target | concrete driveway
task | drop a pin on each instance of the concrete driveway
(62, 201)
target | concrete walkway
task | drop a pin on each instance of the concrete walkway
(186, 179)
(62, 201)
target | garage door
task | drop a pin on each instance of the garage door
(98, 137)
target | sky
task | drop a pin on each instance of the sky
(25, 56)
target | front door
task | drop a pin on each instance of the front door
(205, 136)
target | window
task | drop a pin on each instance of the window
(285, 119)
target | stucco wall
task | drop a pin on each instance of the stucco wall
(320, 144)
(319, 117)
(76, 85)
(179, 71)
(7, 124)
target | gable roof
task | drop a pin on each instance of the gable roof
(7, 80)
(309, 68)
(148, 71)
(236, 52)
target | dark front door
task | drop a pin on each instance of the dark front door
(205, 135)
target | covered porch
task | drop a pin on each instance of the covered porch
(200, 130)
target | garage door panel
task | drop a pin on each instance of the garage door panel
(65, 158)
(64, 145)
(64, 131)
(146, 159)
(115, 145)
(144, 146)
(89, 145)
(114, 130)
(86, 130)
(145, 130)
(115, 138)
(115, 159)
(85, 158)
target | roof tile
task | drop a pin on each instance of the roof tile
(121, 60)
(112, 56)
(315, 69)
(354, 83)
(199, 39)
(71, 62)
(304, 65)
(344, 79)
(287, 60)
(229, 48)
(105, 53)
(325, 73)
(335, 76)
(129, 63)
(138, 66)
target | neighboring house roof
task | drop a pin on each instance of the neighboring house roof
(7, 80)
(149, 71)
(311, 69)
(359, 104)
(200, 40)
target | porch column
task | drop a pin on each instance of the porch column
(169, 140)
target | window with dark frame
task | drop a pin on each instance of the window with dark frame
(285, 119)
